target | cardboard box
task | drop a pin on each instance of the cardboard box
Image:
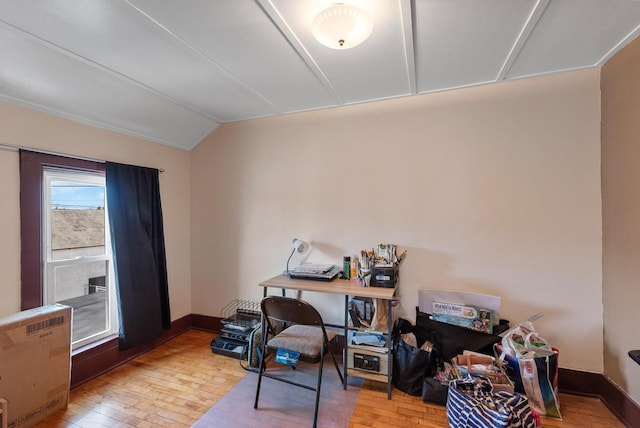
(35, 363)
(3, 414)
(483, 366)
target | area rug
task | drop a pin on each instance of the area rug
(284, 405)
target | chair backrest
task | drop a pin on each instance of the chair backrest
(290, 310)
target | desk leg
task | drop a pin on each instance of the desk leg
(346, 340)
(389, 354)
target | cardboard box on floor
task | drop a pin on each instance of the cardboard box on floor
(35, 364)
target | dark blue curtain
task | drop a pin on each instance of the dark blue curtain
(137, 237)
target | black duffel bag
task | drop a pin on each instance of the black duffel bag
(453, 340)
(410, 364)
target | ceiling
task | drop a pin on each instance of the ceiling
(172, 71)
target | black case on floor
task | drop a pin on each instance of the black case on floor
(453, 339)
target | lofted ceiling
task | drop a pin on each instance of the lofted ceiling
(171, 71)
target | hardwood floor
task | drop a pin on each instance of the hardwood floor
(176, 383)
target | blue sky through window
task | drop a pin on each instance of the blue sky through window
(76, 196)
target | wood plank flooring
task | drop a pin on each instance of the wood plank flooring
(176, 383)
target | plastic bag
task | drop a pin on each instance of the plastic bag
(253, 347)
(523, 341)
(532, 365)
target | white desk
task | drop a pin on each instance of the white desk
(347, 288)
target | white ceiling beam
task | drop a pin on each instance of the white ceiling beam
(84, 60)
(283, 27)
(527, 29)
(406, 14)
(229, 75)
(632, 35)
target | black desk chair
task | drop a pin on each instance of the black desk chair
(305, 333)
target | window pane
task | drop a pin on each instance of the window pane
(77, 252)
(77, 220)
(82, 286)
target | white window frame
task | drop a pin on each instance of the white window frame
(49, 265)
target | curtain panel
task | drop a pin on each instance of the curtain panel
(137, 236)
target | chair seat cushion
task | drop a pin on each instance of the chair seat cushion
(305, 339)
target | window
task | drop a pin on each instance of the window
(78, 268)
(66, 267)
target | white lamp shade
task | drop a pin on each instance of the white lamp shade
(300, 246)
(342, 27)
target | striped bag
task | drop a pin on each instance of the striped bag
(472, 405)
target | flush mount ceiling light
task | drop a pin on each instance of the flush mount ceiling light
(342, 26)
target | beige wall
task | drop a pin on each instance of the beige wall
(493, 189)
(621, 215)
(24, 127)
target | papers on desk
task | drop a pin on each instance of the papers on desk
(316, 271)
(370, 340)
(313, 268)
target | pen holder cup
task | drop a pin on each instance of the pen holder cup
(365, 277)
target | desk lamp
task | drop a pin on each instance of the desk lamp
(300, 247)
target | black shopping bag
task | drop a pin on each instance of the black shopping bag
(435, 391)
(410, 364)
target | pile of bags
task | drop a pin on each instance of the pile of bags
(533, 365)
(490, 380)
